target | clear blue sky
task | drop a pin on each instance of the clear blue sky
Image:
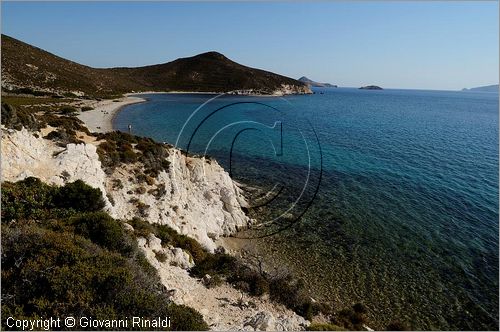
(427, 45)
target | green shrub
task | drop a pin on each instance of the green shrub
(86, 108)
(128, 155)
(29, 198)
(30, 91)
(140, 190)
(350, 318)
(47, 273)
(249, 280)
(214, 264)
(141, 228)
(117, 184)
(68, 110)
(170, 236)
(292, 293)
(118, 149)
(79, 196)
(70, 124)
(70, 95)
(103, 230)
(16, 118)
(62, 137)
(33, 199)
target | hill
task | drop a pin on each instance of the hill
(486, 88)
(312, 83)
(24, 66)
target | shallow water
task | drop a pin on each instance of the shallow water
(405, 219)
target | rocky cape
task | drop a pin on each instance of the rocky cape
(27, 67)
(315, 84)
(200, 200)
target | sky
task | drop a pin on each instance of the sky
(425, 45)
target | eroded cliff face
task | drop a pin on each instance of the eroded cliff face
(196, 197)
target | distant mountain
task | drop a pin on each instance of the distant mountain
(486, 88)
(371, 87)
(24, 65)
(312, 83)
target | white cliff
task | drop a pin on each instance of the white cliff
(200, 199)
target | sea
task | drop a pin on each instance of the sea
(384, 197)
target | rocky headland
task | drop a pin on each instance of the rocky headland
(193, 196)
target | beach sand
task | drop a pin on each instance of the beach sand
(100, 119)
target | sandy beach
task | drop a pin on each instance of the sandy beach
(100, 119)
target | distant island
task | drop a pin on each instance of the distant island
(486, 88)
(25, 66)
(315, 84)
(371, 87)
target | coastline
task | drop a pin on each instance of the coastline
(100, 119)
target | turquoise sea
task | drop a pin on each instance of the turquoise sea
(396, 190)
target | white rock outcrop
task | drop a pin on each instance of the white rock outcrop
(199, 198)
(24, 155)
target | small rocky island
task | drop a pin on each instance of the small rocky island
(371, 87)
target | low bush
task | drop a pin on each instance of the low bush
(248, 280)
(62, 137)
(86, 108)
(119, 149)
(161, 256)
(214, 264)
(33, 199)
(142, 228)
(170, 236)
(68, 110)
(79, 196)
(47, 273)
(68, 123)
(18, 117)
(292, 293)
(352, 318)
(61, 257)
(30, 91)
(103, 230)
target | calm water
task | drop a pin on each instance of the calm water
(406, 216)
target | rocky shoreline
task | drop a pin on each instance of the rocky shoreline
(194, 196)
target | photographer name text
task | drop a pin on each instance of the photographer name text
(86, 323)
